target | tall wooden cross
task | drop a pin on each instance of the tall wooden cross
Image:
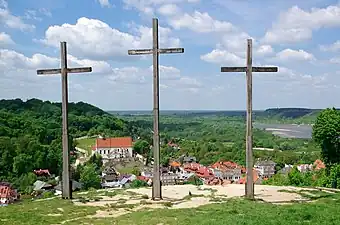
(66, 183)
(249, 69)
(155, 51)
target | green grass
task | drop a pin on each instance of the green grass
(86, 144)
(42, 212)
(128, 168)
(325, 211)
(234, 212)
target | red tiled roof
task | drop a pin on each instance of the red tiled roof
(192, 166)
(6, 192)
(204, 172)
(116, 142)
(143, 178)
(243, 180)
(41, 172)
(225, 165)
(318, 164)
(175, 164)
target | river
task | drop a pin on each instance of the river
(287, 130)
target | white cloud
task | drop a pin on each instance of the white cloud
(31, 14)
(236, 42)
(5, 39)
(335, 60)
(45, 12)
(223, 57)
(169, 10)
(331, 48)
(168, 72)
(264, 50)
(294, 55)
(148, 6)
(297, 24)
(91, 38)
(104, 3)
(200, 23)
(12, 21)
(12, 60)
(130, 75)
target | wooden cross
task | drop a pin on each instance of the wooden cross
(66, 183)
(155, 51)
(249, 191)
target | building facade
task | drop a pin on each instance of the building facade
(265, 169)
(114, 148)
(7, 193)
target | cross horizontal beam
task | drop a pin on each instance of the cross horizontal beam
(69, 70)
(150, 51)
(244, 69)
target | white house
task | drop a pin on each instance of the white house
(113, 148)
(265, 169)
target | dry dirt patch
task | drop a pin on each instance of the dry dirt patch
(177, 197)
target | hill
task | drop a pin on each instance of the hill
(30, 135)
(292, 115)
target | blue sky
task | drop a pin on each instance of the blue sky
(300, 37)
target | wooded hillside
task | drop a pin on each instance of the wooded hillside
(30, 135)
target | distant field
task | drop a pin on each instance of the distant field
(86, 144)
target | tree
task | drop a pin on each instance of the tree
(89, 177)
(96, 159)
(295, 177)
(326, 132)
(141, 147)
(136, 171)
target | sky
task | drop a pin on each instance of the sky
(301, 37)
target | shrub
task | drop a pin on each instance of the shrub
(138, 183)
(48, 194)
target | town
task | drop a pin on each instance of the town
(169, 112)
(184, 170)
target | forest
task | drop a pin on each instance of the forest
(30, 135)
(213, 138)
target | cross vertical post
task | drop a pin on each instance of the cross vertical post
(64, 70)
(249, 69)
(249, 134)
(156, 188)
(155, 51)
(64, 107)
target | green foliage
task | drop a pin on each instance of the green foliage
(326, 132)
(213, 137)
(30, 136)
(97, 161)
(330, 179)
(48, 194)
(25, 182)
(141, 147)
(136, 171)
(294, 178)
(138, 183)
(89, 177)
